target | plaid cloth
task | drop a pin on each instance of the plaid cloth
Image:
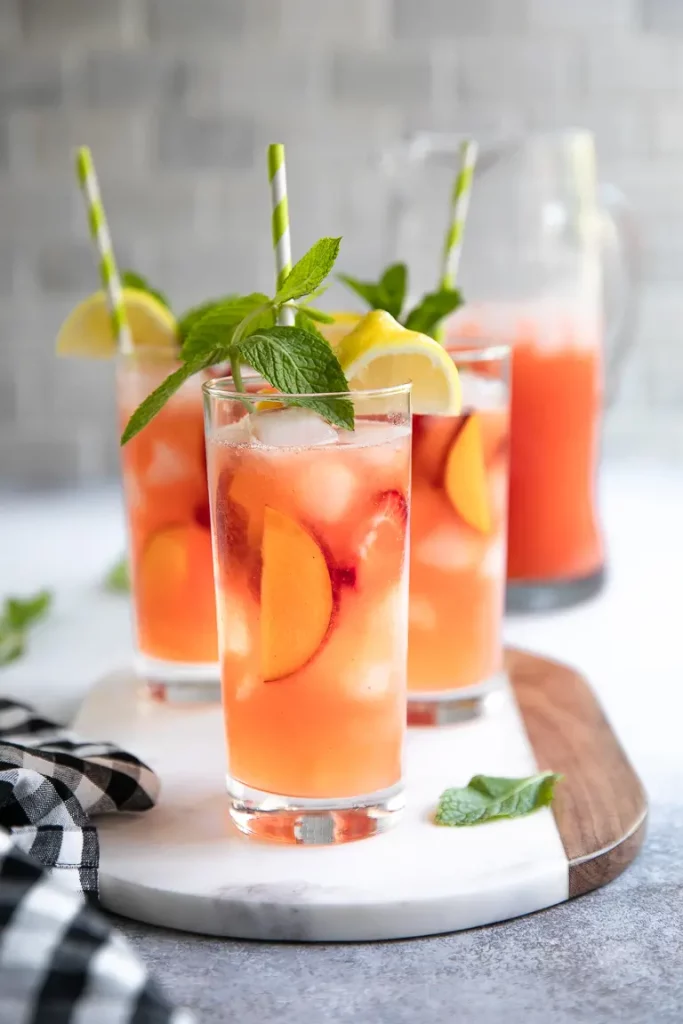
(60, 962)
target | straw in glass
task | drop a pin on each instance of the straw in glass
(280, 221)
(460, 202)
(99, 232)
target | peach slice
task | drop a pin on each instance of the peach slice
(297, 600)
(175, 594)
(465, 476)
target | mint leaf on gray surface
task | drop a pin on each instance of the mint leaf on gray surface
(130, 279)
(18, 615)
(487, 798)
(310, 271)
(294, 361)
(431, 309)
(118, 578)
(155, 401)
(215, 328)
(392, 288)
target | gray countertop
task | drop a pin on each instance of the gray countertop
(615, 955)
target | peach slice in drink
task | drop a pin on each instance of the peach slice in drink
(296, 596)
(465, 479)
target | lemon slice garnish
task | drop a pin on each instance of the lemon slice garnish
(343, 323)
(380, 353)
(87, 331)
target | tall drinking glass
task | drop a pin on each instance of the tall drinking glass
(458, 542)
(310, 533)
(169, 535)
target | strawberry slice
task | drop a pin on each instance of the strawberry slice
(379, 542)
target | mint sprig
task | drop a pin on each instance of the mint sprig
(487, 798)
(18, 615)
(131, 279)
(242, 329)
(390, 291)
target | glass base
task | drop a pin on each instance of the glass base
(285, 819)
(446, 707)
(180, 682)
(549, 596)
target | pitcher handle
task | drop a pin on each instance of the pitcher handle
(622, 272)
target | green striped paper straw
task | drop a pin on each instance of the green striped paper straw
(99, 232)
(460, 203)
(277, 176)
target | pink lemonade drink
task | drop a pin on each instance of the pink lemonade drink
(169, 536)
(458, 535)
(310, 528)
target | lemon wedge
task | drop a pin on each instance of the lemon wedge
(343, 323)
(87, 331)
(380, 353)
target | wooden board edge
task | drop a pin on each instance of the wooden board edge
(588, 873)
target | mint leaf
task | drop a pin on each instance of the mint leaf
(487, 798)
(118, 578)
(431, 309)
(18, 614)
(392, 288)
(310, 271)
(195, 313)
(317, 315)
(306, 323)
(155, 401)
(295, 361)
(215, 328)
(368, 291)
(129, 279)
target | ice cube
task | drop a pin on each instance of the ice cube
(168, 465)
(325, 489)
(232, 433)
(446, 548)
(291, 428)
(422, 614)
(493, 563)
(481, 392)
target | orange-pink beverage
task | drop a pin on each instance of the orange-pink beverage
(167, 509)
(310, 532)
(458, 533)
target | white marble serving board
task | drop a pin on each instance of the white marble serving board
(184, 864)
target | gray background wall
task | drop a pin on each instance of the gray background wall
(178, 99)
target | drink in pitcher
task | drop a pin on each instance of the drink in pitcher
(167, 511)
(458, 539)
(310, 526)
(554, 534)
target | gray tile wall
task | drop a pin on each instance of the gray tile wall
(178, 99)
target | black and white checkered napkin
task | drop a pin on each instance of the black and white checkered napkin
(59, 959)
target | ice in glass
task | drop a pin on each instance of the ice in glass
(310, 527)
(167, 511)
(458, 534)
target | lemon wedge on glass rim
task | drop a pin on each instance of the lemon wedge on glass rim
(87, 331)
(379, 353)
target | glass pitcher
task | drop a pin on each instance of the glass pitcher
(550, 265)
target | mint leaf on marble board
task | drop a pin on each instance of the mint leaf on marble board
(489, 798)
(297, 362)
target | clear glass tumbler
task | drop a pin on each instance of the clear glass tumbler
(310, 530)
(169, 534)
(458, 542)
